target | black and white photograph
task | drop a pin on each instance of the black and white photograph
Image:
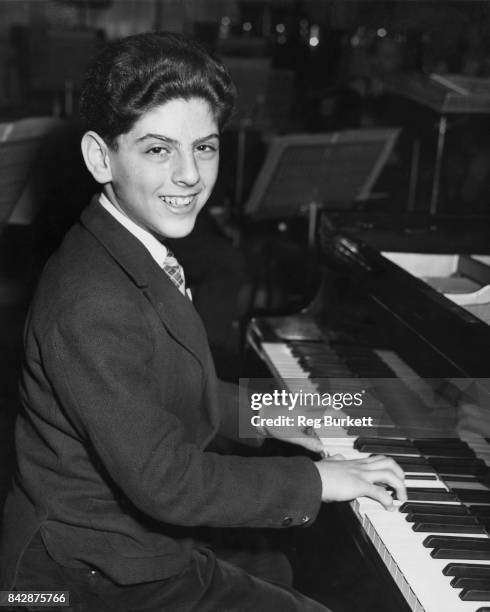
(245, 305)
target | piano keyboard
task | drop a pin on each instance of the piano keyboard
(451, 545)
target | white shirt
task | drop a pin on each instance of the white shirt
(156, 249)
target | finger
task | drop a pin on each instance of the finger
(312, 444)
(386, 463)
(374, 458)
(337, 457)
(389, 478)
(309, 431)
(382, 496)
(393, 465)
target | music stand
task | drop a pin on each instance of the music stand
(16, 163)
(446, 94)
(305, 172)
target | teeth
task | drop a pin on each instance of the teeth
(177, 200)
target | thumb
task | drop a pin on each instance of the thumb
(381, 495)
(311, 443)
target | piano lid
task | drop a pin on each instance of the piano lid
(463, 279)
(454, 332)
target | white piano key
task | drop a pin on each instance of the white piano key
(426, 484)
(418, 575)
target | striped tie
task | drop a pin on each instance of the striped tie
(173, 269)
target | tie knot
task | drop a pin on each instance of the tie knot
(171, 260)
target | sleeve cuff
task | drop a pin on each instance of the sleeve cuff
(308, 497)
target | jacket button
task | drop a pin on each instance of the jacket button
(286, 521)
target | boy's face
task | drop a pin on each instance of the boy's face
(165, 167)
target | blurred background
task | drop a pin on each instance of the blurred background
(300, 66)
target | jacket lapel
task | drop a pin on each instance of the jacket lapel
(176, 311)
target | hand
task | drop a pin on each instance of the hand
(344, 480)
(311, 443)
(301, 436)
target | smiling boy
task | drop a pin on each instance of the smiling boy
(120, 400)
(162, 171)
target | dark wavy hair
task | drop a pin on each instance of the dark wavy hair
(131, 76)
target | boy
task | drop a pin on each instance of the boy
(120, 399)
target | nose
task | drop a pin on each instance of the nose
(185, 171)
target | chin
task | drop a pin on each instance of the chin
(177, 229)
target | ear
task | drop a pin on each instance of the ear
(96, 155)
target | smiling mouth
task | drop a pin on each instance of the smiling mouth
(178, 202)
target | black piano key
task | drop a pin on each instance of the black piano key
(316, 355)
(384, 441)
(470, 496)
(323, 360)
(381, 449)
(467, 475)
(455, 461)
(459, 582)
(468, 570)
(475, 594)
(313, 354)
(455, 478)
(382, 426)
(446, 519)
(449, 453)
(324, 372)
(460, 553)
(450, 470)
(480, 511)
(459, 453)
(484, 609)
(469, 543)
(428, 445)
(433, 450)
(416, 467)
(428, 477)
(451, 509)
(445, 528)
(430, 495)
(457, 464)
(419, 461)
(456, 547)
(445, 442)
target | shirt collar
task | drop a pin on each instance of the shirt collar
(156, 249)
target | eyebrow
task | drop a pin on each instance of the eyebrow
(175, 142)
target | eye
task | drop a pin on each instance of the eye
(158, 151)
(208, 150)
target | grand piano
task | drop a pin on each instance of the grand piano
(381, 317)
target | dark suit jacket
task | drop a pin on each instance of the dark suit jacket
(120, 403)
